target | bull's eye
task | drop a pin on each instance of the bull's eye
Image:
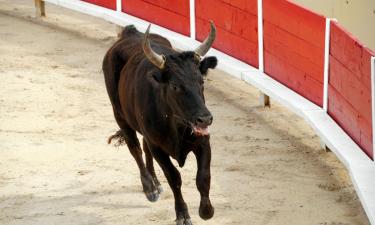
(175, 88)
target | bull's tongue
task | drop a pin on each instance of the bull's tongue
(201, 131)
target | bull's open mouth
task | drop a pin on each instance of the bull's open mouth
(201, 131)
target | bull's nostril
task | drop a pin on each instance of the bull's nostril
(200, 120)
(204, 120)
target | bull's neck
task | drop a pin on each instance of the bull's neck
(175, 129)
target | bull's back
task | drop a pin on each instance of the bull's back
(129, 46)
(116, 58)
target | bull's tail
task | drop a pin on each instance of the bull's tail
(119, 137)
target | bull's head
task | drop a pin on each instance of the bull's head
(181, 78)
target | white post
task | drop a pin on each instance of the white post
(264, 99)
(119, 5)
(119, 10)
(326, 64)
(192, 19)
(326, 73)
(373, 100)
(260, 36)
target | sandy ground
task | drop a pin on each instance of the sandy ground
(56, 168)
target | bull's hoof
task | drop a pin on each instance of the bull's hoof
(183, 221)
(158, 185)
(152, 196)
(149, 188)
(206, 211)
(183, 217)
(160, 189)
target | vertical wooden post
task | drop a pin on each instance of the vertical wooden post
(264, 99)
(40, 10)
(192, 19)
(373, 101)
(118, 5)
(260, 36)
(324, 146)
(326, 64)
(119, 28)
(326, 73)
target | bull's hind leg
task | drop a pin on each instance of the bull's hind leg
(150, 166)
(129, 136)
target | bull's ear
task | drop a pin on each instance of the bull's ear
(207, 63)
(161, 77)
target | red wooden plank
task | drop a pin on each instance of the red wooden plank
(365, 128)
(296, 20)
(110, 4)
(366, 145)
(180, 6)
(297, 80)
(250, 6)
(365, 76)
(345, 49)
(229, 43)
(296, 45)
(294, 48)
(311, 63)
(215, 10)
(339, 108)
(158, 15)
(237, 33)
(350, 87)
(229, 18)
(245, 25)
(350, 78)
(351, 53)
(350, 120)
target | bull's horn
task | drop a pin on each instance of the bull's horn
(155, 58)
(207, 43)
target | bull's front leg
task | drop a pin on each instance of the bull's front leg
(203, 180)
(174, 180)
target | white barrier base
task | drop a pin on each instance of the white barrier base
(360, 167)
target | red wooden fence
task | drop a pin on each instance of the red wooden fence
(349, 101)
(294, 48)
(110, 4)
(172, 14)
(236, 23)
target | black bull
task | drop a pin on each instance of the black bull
(158, 92)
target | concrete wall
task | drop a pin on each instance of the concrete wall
(357, 16)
